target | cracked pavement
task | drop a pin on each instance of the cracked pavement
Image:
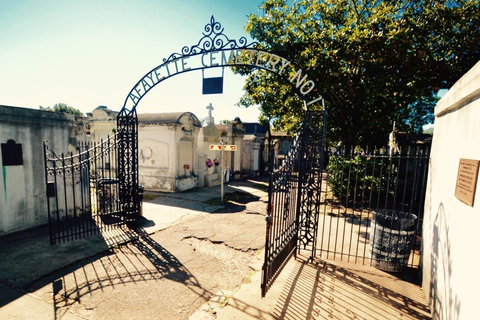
(187, 252)
(190, 261)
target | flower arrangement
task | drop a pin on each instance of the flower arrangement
(209, 163)
(216, 161)
(186, 166)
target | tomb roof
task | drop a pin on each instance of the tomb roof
(167, 118)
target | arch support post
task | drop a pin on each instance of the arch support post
(127, 160)
(311, 175)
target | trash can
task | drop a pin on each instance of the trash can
(392, 235)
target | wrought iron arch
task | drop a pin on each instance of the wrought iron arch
(240, 53)
(215, 50)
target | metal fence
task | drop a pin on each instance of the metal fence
(361, 183)
(293, 198)
(82, 190)
(282, 227)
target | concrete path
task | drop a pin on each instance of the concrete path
(17, 304)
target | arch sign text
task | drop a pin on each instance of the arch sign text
(215, 50)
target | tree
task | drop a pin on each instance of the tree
(374, 62)
(63, 108)
(418, 114)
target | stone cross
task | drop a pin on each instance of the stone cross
(209, 119)
(210, 108)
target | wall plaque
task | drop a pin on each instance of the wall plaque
(467, 180)
(12, 154)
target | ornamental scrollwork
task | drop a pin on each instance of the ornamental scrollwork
(213, 39)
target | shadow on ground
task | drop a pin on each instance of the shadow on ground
(236, 202)
(208, 199)
(323, 290)
(126, 272)
(142, 260)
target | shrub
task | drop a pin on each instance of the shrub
(361, 179)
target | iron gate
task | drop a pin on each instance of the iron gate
(78, 206)
(322, 203)
(293, 198)
(83, 194)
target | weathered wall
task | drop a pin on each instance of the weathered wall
(235, 132)
(157, 161)
(164, 149)
(22, 187)
(186, 138)
(103, 123)
(451, 227)
(210, 134)
(251, 156)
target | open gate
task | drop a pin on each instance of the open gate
(327, 208)
(83, 191)
(294, 198)
(98, 187)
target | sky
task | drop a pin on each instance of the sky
(88, 53)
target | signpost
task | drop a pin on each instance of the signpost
(222, 147)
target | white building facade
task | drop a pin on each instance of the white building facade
(450, 228)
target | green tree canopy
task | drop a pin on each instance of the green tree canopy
(374, 62)
(63, 108)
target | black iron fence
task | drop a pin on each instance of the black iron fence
(82, 190)
(360, 186)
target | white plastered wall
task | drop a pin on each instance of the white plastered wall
(451, 230)
(22, 187)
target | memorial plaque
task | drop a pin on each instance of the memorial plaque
(467, 181)
(12, 154)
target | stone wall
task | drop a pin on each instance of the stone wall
(451, 227)
(22, 182)
(102, 123)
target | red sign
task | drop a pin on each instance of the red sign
(227, 147)
(230, 147)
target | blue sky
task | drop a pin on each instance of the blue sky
(92, 52)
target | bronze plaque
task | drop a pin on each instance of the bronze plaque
(467, 181)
